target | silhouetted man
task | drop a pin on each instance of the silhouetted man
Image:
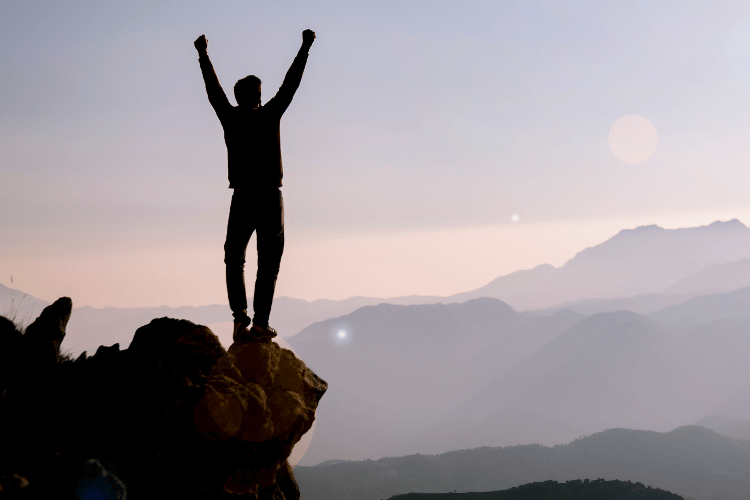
(251, 133)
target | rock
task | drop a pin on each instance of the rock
(12, 485)
(173, 415)
(10, 345)
(38, 355)
(50, 325)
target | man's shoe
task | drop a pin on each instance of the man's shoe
(240, 329)
(262, 332)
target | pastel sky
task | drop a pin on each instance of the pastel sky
(432, 146)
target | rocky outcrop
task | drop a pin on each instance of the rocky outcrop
(173, 415)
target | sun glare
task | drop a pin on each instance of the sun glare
(341, 335)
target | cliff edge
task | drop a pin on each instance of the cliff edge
(174, 414)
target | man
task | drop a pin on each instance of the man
(251, 133)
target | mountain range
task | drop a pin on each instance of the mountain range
(647, 259)
(644, 270)
(431, 378)
(691, 461)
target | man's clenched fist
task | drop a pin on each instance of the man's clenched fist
(201, 43)
(308, 36)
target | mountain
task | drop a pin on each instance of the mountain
(637, 261)
(738, 405)
(574, 489)
(716, 368)
(90, 327)
(641, 304)
(292, 315)
(611, 369)
(409, 379)
(395, 369)
(704, 309)
(19, 306)
(643, 269)
(690, 461)
(511, 287)
(717, 278)
(726, 426)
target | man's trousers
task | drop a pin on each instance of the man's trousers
(260, 210)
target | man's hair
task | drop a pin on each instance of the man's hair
(247, 90)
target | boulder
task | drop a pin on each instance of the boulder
(173, 415)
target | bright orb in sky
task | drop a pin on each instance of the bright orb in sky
(342, 334)
(633, 139)
(514, 217)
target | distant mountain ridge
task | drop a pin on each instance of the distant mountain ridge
(626, 271)
(430, 378)
(726, 426)
(706, 308)
(400, 367)
(647, 259)
(691, 461)
(90, 327)
(718, 278)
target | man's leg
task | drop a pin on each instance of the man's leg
(239, 229)
(270, 247)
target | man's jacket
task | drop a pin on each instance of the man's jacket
(253, 135)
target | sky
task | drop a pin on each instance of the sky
(431, 147)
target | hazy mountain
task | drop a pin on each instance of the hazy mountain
(738, 405)
(616, 369)
(512, 287)
(405, 379)
(575, 489)
(726, 426)
(90, 327)
(718, 278)
(714, 279)
(292, 315)
(704, 309)
(19, 306)
(611, 369)
(398, 368)
(691, 461)
(641, 304)
(641, 270)
(637, 261)
(716, 367)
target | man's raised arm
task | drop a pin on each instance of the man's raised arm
(216, 95)
(293, 77)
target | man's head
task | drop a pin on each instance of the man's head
(247, 91)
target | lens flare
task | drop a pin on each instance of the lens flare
(341, 334)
